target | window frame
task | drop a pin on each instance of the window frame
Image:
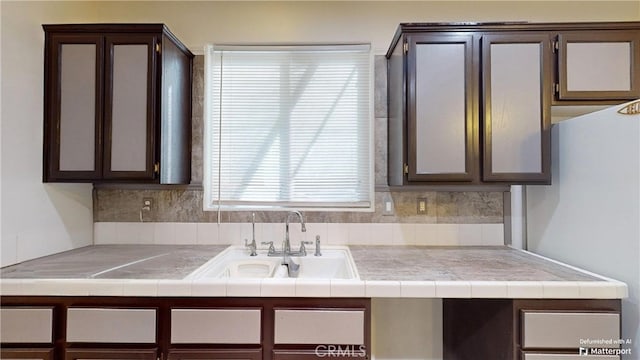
(219, 205)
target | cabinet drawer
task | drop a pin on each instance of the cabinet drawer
(215, 326)
(540, 356)
(99, 325)
(319, 326)
(566, 329)
(26, 325)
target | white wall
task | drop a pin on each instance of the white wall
(37, 219)
(590, 216)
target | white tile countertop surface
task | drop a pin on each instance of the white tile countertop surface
(385, 271)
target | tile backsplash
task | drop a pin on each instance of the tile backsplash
(176, 215)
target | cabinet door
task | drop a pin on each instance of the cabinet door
(517, 105)
(441, 92)
(32, 354)
(215, 354)
(110, 354)
(73, 107)
(130, 107)
(599, 65)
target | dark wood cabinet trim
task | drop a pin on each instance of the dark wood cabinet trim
(630, 36)
(493, 327)
(486, 27)
(470, 85)
(543, 177)
(163, 348)
(26, 353)
(154, 34)
(210, 354)
(110, 42)
(110, 353)
(52, 107)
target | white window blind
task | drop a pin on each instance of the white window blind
(288, 127)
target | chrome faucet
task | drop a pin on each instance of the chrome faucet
(252, 245)
(286, 245)
(286, 253)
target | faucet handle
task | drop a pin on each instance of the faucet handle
(252, 246)
(303, 249)
(317, 253)
(272, 249)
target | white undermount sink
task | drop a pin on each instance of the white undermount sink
(235, 263)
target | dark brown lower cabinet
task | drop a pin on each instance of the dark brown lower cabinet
(190, 328)
(32, 354)
(111, 354)
(215, 354)
(525, 329)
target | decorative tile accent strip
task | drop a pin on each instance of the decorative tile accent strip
(185, 205)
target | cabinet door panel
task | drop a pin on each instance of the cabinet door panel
(440, 111)
(516, 118)
(216, 326)
(73, 125)
(26, 325)
(129, 105)
(106, 325)
(599, 66)
(564, 330)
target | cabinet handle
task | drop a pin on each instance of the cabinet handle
(156, 168)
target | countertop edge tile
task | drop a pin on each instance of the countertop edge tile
(140, 287)
(560, 289)
(453, 289)
(525, 290)
(313, 288)
(623, 290)
(347, 288)
(382, 288)
(244, 287)
(105, 287)
(277, 287)
(11, 287)
(174, 288)
(418, 289)
(209, 287)
(489, 289)
(597, 290)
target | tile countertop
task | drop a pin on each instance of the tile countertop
(385, 271)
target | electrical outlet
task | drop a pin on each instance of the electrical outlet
(421, 207)
(147, 203)
(387, 205)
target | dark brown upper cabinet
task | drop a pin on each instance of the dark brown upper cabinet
(599, 65)
(117, 104)
(516, 115)
(468, 105)
(441, 133)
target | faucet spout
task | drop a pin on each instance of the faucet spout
(287, 245)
